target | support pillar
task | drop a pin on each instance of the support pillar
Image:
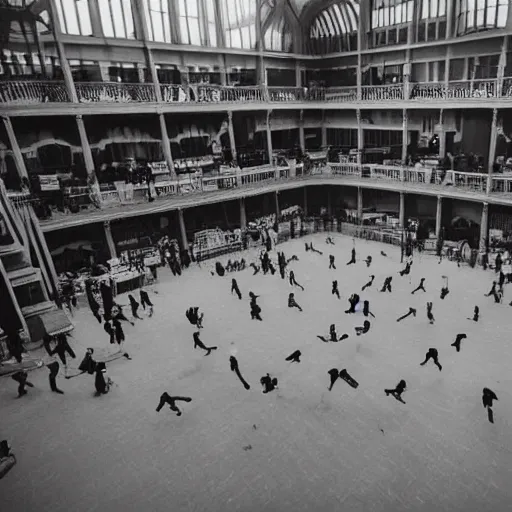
(402, 210)
(13, 141)
(298, 74)
(492, 149)
(329, 202)
(269, 139)
(306, 201)
(439, 216)
(360, 138)
(110, 240)
(359, 205)
(484, 227)
(405, 136)
(302, 137)
(231, 133)
(243, 215)
(86, 149)
(183, 230)
(324, 131)
(276, 199)
(166, 146)
(442, 135)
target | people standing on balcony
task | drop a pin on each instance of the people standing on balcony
(335, 290)
(434, 355)
(293, 281)
(331, 262)
(368, 284)
(386, 287)
(234, 288)
(419, 287)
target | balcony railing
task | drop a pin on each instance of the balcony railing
(30, 92)
(113, 92)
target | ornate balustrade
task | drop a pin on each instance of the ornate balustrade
(113, 92)
(29, 92)
(501, 184)
(345, 169)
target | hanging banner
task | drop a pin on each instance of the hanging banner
(49, 182)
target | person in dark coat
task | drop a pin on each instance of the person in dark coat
(412, 311)
(63, 348)
(400, 388)
(335, 290)
(234, 288)
(430, 315)
(331, 262)
(387, 285)
(364, 329)
(200, 344)
(118, 331)
(476, 314)
(366, 309)
(135, 307)
(487, 398)
(353, 301)
(434, 355)
(294, 357)
(101, 381)
(165, 398)
(108, 300)
(458, 340)
(268, 383)
(419, 287)
(368, 284)
(293, 281)
(353, 257)
(21, 379)
(292, 302)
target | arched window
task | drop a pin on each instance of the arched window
(474, 15)
(157, 18)
(386, 13)
(74, 17)
(198, 28)
(117, 18)
(239, 18)
(278, 37)
(335, 29)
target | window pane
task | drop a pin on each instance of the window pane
(442, 8)
(195, 34)
(60, 15)
(148, 20)
(184, 30)
(167, 28)
(158, 28)
(117, 14)
(106, 20)
(424, 9)
(85, 18)
(212, 31)
(409, 7)
(252, 29)
(71, 19)
(246, 41)
(128, 20)
(502, 16)
(236, 42)
(210, 10)
(192, 8)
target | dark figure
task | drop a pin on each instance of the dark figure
(107, 327)
(498, 296)
(272, 268)
(295, 357)
(21, 379)
(498, 262)
(476, 314)
(268, 383)
(135, 307)
(382, 253)
(348, 378)
(335, 290)
(364, 329)
(307, 247)
(368, 284)
(312, 249)
(234, 288)
(333, 335)
(354, 301)
(444, 290)
(432, 354)
(101, 381)
(293, 281)
(387, 285)
(292, 303)
(200, 344)
(430, 316)
(329, 241)
(501, 281)
(144, 300)
(353, 257)
(334, 374)
(234, 368)
(406, 271)
(253, 298)
(88, 364)
(412, 311)
(255, 268)
(62, 348)
(194, 317)
(420, 286)
(119, 315)
(368, 261)
(108, 299)
(493, 290)
(487, 398)
(165, 398)
(397, 392)
(457, 341)
(15, 345)
(331, 262)
(5, 450)
(54, 371)
(219, 269)
(255, 312)
(366, 309)
(265, 260)
(118, 331)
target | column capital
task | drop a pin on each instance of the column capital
(494, 116)
(230, 115)
(79, 116)
(358, 115)
(301, 115)
(439, 198)
(106, 224)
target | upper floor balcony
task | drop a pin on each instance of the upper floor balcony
(17, 96)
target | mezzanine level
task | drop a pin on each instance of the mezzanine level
(33, 97)
(477, 187)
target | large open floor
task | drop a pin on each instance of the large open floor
(300, 448)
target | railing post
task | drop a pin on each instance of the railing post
(492, 149)
(401, 214)
(442, 135)
(302, 138)
(439, 217)
(243, 216)
(359, 205)
(405, 136)
(13, 141)
(269, 139)
(183, 230)
(484, 227)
